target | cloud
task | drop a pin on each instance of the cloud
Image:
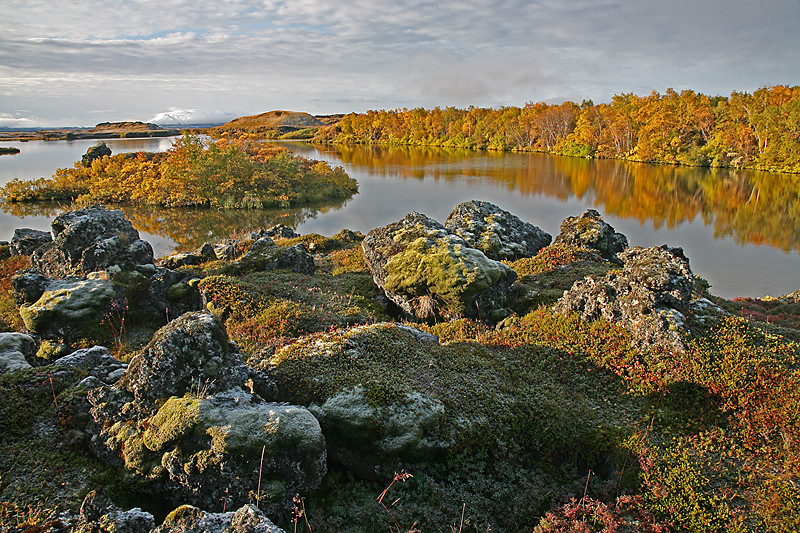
(250, 56)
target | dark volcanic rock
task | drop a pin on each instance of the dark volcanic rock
(91, 239)
(495, 232)
(180, 424)
(97, 151)
(266, 255)
(26, 240)
(28, 286)
(430, 272)
(649, 296)
(590, 231)
(192, 351)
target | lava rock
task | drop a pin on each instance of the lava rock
(495, 232)
(191, 352)
(429, 272)
(26, 240)
(649, 296)
(89, 240)
(16, 350)
(590, 231)
(98, 151)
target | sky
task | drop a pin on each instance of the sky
(80, 62)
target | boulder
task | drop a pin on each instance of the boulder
(430, 273)
(190, 519)
(590, 231)
(67, 307)
(402, 428)
(266, 255)
(16, 350)
(495, 232)
(96, 361)
(26, 240)
(190, 353)
(198, 257)
(98, 151)
(170, 294)
(181, 425)
(89, 240)
(649, 296)
(28, 286)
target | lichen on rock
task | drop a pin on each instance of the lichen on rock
(429, 272)
(495, 232)
(649, 296)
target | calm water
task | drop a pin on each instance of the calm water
(740, 230)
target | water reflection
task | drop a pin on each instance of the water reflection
(751, 207)
(189, 228)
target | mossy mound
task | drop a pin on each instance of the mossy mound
(479, 408)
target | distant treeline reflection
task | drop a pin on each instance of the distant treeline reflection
(751, 206)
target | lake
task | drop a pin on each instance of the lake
(740, 230)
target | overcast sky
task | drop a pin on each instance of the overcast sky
(80, 62)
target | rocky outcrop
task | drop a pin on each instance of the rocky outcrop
(590, 231)
(16, 350)
(96, 273)
(98, 151)
(67, 306)
(429, 272)
(649, 296)
(190, 519)
(264, 254)
(26, 240)
(91, 239)
(180, 423)
(495, 232)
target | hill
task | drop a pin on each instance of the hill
(275, 119)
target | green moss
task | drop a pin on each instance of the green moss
(175, 419)
(453, 274)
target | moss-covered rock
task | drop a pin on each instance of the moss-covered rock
(650, 296)
(16, 350)
(495, 232)
(68, 307)
(431, 273)
(590, 231)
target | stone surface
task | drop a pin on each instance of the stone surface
(28, 286)
(190, 353)
(266, 255)
(649, 296)
(68, 306)
(89, 240)
(495, 232)
(16, 350)
(590, 231)
(179, 422)
(98, 151)
(429, 272)
(96, 361)
(171, 293)
(26, 240)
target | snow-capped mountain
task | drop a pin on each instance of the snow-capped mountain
(190, 117)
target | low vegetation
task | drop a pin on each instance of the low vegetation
(551, 424)
(225, 173)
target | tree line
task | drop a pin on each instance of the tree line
(759, 130)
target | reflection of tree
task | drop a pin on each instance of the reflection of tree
(189, 228)
(754, 207)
